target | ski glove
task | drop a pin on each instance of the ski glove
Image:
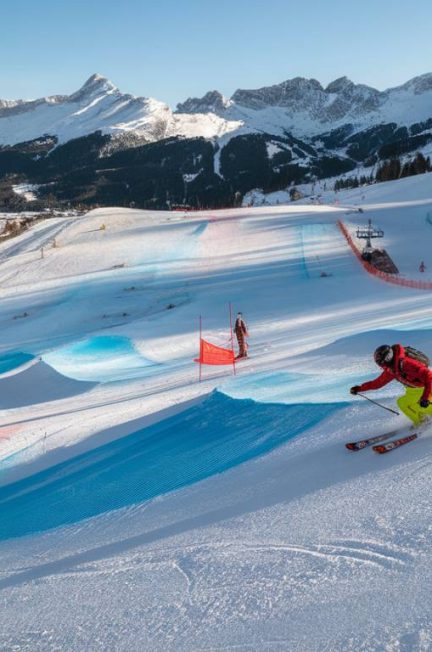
(354, 390)
(424, 403)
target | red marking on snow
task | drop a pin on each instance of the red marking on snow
(7, 431)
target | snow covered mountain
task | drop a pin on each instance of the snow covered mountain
(301, 106)
(309, 108)
(100, 106)
(211, 102)
(122, 149)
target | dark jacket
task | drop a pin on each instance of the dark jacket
(240, 327)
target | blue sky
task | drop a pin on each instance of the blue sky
(174, 49)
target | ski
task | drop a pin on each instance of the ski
(391, 445)
(363, 443)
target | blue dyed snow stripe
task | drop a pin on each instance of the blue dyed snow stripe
(208, 438)
(13, 360)
(102, 358)
(200, 229)
(293, 387)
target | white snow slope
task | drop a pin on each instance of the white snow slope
(141, 511)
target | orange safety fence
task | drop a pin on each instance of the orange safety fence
(212, 354)
(389, 278)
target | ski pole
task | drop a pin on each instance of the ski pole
(379, 404)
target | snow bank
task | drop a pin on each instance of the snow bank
(101, 358)
(38, 384)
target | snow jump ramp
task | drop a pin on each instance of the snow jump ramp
(38, 383)
(206, 438)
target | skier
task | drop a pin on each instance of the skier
(409, 367)
(422, 267)
(240, 329)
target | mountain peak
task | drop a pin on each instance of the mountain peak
(418, 85)
(95, 84)
(95, 77)
(211, 102)
(287, 94)
(301, 83)
(97, 80)
(339, 84)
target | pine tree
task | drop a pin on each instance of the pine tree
(420, 164)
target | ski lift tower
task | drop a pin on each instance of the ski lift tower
(368, 233)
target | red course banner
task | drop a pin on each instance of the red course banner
(211, 354)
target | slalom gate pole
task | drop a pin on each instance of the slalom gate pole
(200, 338)
(232, 336)
(379, 404)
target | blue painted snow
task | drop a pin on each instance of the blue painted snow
(200, 229)
(312, 238)
(205, 439)
(100, 358)
(293, 388)
(14, 360)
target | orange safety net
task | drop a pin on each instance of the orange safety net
(389, 278)
(212, 354)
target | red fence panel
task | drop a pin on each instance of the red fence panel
(388, 278)
(212, 354)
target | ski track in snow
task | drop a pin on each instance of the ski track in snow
(290, 546)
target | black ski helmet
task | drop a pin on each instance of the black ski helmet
(383, 354)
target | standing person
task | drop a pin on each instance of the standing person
(240, 329)
(422, 267)
(409, 367)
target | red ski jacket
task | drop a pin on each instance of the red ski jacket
(407, 371)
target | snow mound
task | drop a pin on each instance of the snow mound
(38, 383)
(100, 358)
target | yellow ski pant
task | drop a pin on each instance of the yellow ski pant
(409, 404)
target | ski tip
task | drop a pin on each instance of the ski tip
(352, 446)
